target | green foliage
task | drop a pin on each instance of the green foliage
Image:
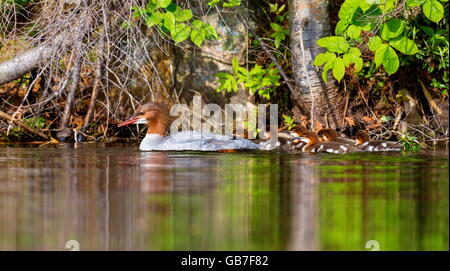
(410, 143)
(279, 34)
(228, 4)
(385, 119)
(289, 122)
(178, 23)
(392, 34)
(35, 123)
(433, 10)
(337, 63)
(19, 2)
(257, 80)
(433, 55)
(17, 133)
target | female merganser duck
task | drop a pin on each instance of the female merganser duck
(157, 119)
(363, 141)
(330, 135)
(313, 145)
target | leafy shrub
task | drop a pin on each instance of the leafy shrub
(257, 80)
(386, 25)
(178, 23)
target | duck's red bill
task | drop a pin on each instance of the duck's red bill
(128, 121)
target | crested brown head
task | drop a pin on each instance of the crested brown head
(328, 135)
(156, 115)
(361, 137)
(299, 130)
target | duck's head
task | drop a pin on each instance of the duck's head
(328, 135)
(361, 137)
(153, 114)
(298, 131)
(310, 138)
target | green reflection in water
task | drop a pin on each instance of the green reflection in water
(402, 202)
(115, 198)
(244, 211)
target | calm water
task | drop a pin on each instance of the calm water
(113, 197)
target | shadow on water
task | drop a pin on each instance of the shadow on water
(113, 197)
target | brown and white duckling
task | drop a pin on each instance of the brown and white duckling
(296, 133)
(312, 144)
(330, 135)
(363, 141)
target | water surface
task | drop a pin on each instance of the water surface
(113, 197)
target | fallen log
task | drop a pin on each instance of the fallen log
(24, 63)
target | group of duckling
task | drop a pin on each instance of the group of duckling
(327, 140)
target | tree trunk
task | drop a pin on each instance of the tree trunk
(308, 23)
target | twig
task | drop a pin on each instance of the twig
(346, 105)
(70, 97)
(275, 61)
(20, 124)
(429, 98)
(97, 81)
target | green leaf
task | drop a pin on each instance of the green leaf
(340, 27)
(404, 45)
(392, 29)
(227, 82)
(211, 32)
(150, 7)
(368, 19)
(235, 64)
(354, 51)
(354, 31)
(433, 10)
(181, 32)
(388, 57)
(414, 3)
(364, 5)
(358, 64)
(323, 58)
(169, 21)
(347, 9)
(353, 56)
(276, 27)
(327, 67)
(386, 5)
(198, 36)
(174, 8)
(197, 24)
(334, 44)
(163, 3)
(348, 59)
(338, 69)
(427, 30)
(154, 19)
(379, 54)
(375, 43)
(183, 15)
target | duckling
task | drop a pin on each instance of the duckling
(296, 133)
(363, 141)
(312, 141)
(330, 135)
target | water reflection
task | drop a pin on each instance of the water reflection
(112, 197)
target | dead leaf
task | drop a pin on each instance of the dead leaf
(350, 121)
(367, 119)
